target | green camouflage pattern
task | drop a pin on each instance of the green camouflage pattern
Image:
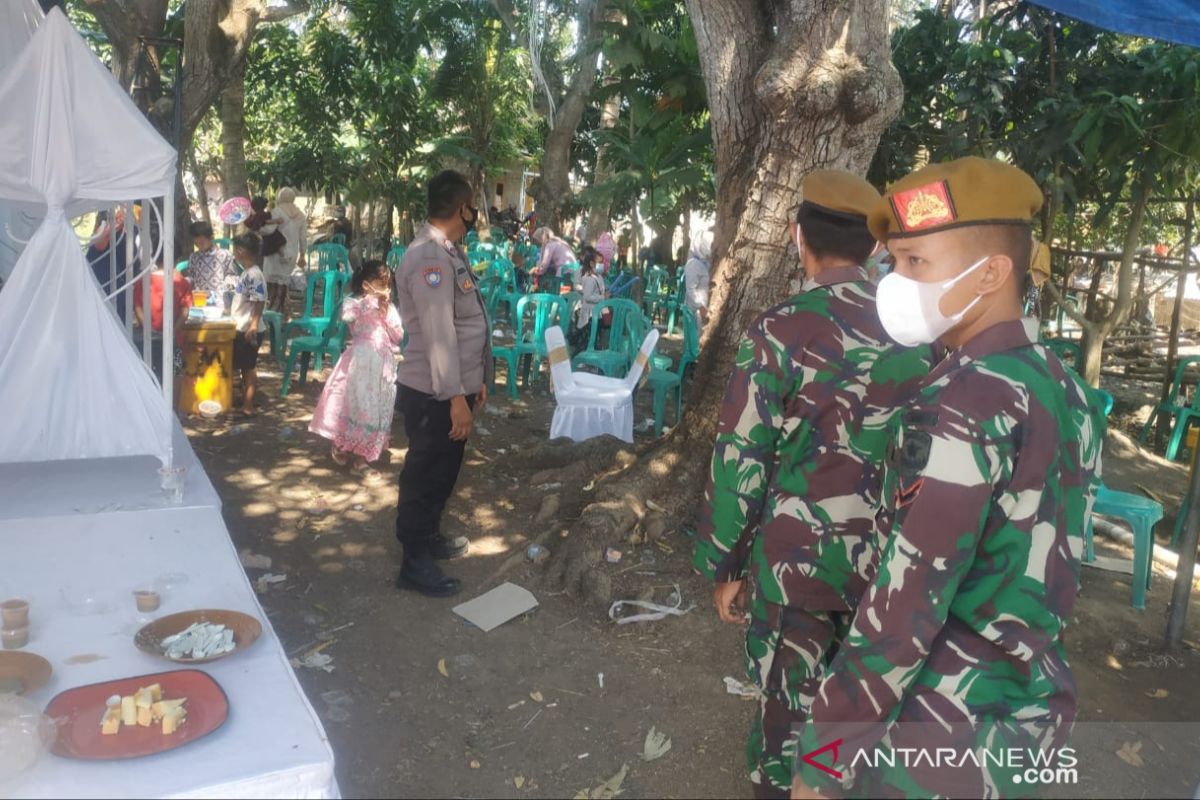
(987, 491)
(803, 431)
(787, 651)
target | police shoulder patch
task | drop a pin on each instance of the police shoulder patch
(432, 276)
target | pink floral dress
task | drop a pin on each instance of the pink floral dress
(355, 410)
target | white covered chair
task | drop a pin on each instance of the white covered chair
(593, 405)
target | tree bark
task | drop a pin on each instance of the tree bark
(552, 190)
(1094, 335)
(233, 134)
(599, 217)
(793, 86)
(124, 23)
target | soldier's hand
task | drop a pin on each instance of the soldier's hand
(800, 791)
(730, 600)
(460, 419)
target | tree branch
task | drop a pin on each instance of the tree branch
(507, 14)
(1083, 321)
(284, 12)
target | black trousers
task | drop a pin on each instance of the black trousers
(430, 469)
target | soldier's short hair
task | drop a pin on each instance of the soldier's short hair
(447, 192)
(828, 234)
(1014, 240)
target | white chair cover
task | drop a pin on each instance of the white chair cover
(593, 405)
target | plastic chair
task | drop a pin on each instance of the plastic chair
(339, 239)
(653, 299)
(663, 381)
(313, 322)
(331, 257)
(547, 311)
(274, 322)
(616, 357)
(1182, 415)
(309, 348)
(550, 284)
(489, 287)
(676, 303)
(224, 243)
(1141, 513)
(395, 256)
(587, 405)
(182, 266)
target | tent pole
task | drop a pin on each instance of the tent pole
(168, 303)
(144, 259)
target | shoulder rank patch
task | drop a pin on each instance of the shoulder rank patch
(432, 276)
(466, 283)
(924, 207)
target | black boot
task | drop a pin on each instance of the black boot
(445, 548)
(422, 574)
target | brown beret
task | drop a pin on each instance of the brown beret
(839, 192)
(967, 191)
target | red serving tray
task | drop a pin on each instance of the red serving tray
(77, 713)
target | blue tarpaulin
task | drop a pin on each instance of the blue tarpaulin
(1170, 20)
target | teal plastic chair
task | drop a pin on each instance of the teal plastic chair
(395, 256)
(550, 284)
(489, 287)
(509, 293)
(676, 303)
(535, 313)
(654, 299)
(614, 359)
(1182, 415)
(666, 380)
(623, 289)
(314, 349)
(339, 239)
(1141, 513)
(182, 266)
(224, 243)
(314, 320)
(274, 322)
(331, 257)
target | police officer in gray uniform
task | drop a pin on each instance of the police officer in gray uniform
(442, 381)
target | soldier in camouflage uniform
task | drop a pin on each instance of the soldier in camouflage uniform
(795, 471)
(986, 490)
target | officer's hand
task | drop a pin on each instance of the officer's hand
(730, 600)
(460, 419)
(481, 398)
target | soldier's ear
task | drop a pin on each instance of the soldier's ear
(996, 274)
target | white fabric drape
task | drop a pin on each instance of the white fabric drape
(589, 405)
(71, 140)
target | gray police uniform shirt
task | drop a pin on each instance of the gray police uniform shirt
(449, 339)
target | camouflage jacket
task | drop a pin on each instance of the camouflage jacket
(796, 467)
(987, 490)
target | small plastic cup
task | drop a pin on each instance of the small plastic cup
(199, 298)
(148, 600)
(15, 613)
(14, 638)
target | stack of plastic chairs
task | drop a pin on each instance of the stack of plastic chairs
(535, 313)
(615, 357)
(666, 380)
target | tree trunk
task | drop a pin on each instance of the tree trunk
(1093, 341)
(233, 134)
(810, 86)
(201, 189)
(552, 190)
(599, 218)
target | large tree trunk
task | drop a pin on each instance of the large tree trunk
(233, 134)
(599, 216)
(124, 23)
(552, 190)
(810, 86)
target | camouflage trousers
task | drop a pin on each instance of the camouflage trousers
(787, 650)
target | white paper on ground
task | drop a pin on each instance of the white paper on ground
(492, 609)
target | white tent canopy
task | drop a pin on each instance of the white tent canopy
(71, 385)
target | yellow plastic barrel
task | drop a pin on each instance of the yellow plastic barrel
(207, 365)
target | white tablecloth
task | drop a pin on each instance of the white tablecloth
(272, 744)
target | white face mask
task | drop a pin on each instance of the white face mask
(911, 310)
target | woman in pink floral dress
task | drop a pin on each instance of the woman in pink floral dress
(355, 410)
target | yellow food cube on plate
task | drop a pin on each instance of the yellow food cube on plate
(128, 711)
(144, 717)
(155, 690)
(111, 723)
(173, 719)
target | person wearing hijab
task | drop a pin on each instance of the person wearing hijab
(278, 266)
(696, 276)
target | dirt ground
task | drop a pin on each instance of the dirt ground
(419, 703)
